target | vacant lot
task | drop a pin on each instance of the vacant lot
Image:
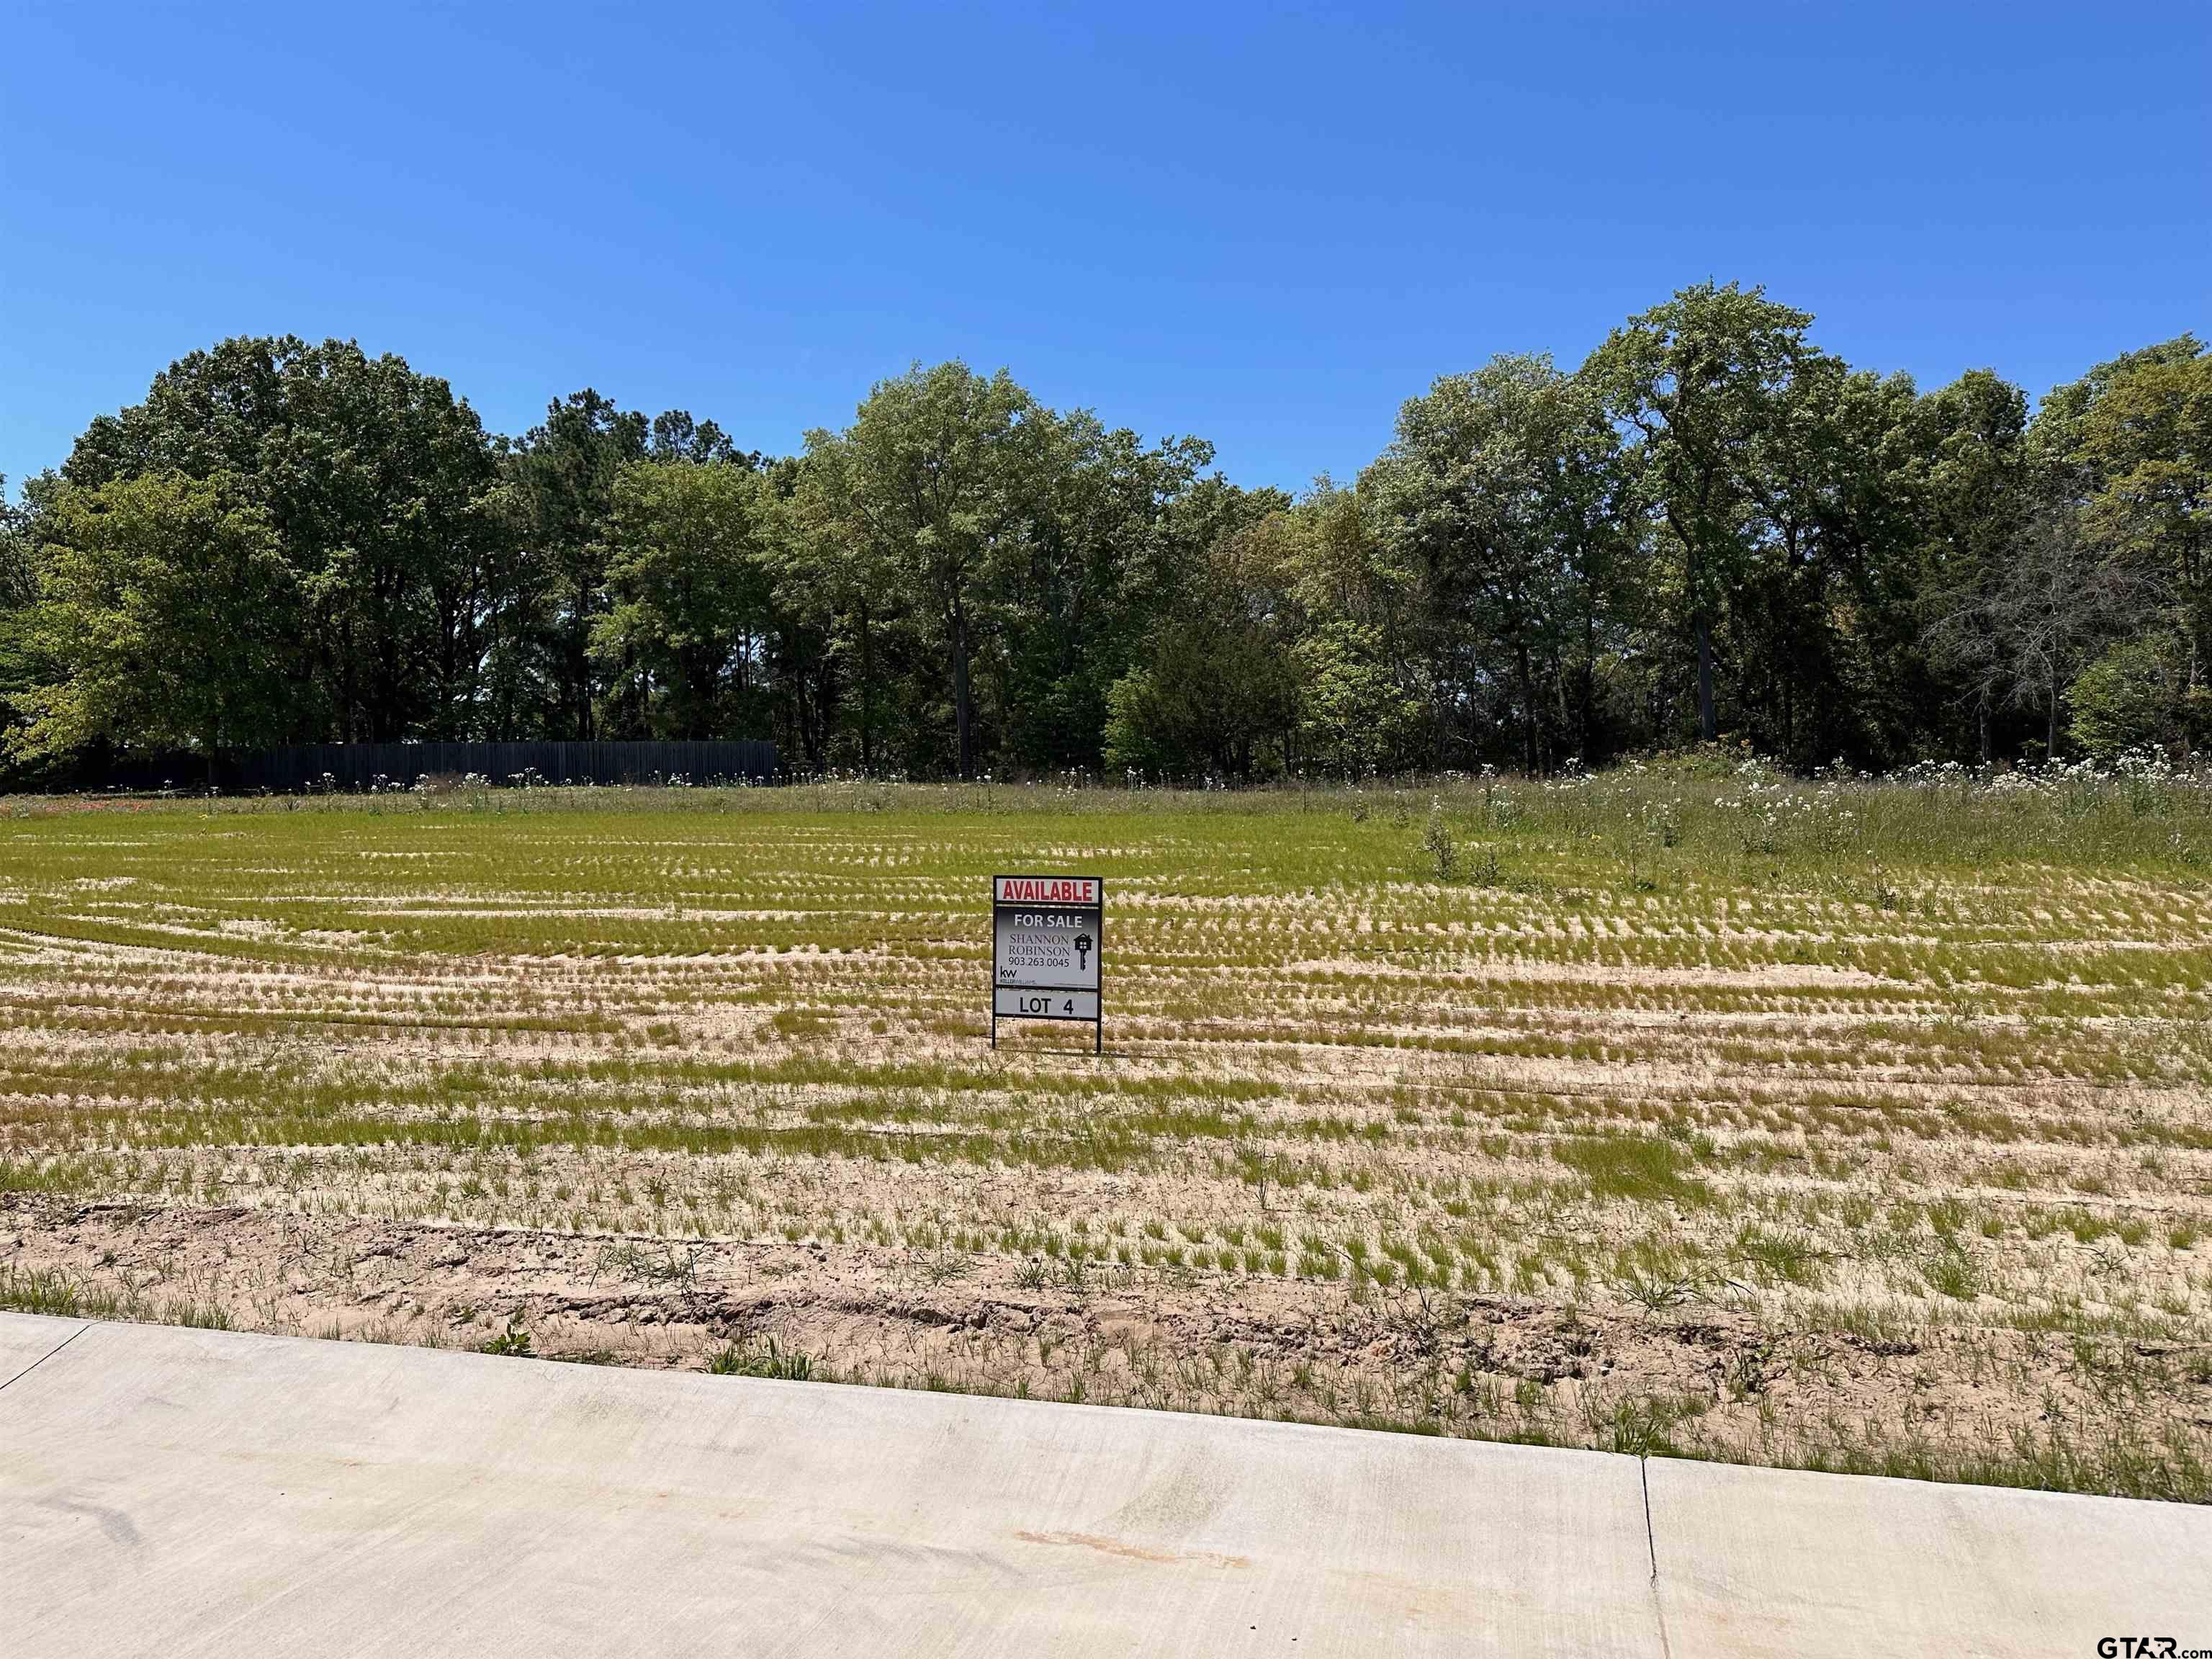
(1859, 1125)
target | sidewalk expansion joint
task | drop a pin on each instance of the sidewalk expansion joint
(48, 1354)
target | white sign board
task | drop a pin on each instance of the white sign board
(1048, 942)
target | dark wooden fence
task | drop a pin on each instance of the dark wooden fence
(350, 767)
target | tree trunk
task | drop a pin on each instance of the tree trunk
(963, 712)
(2189, 691)
(867, 695)
(580, 681)
(1709, 728)
(1586, 714)
(706, 686)
(1528, 707)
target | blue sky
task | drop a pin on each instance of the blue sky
(1265, 227)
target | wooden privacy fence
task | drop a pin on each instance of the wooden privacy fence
(348, 768)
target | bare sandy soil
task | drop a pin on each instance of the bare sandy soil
(1501, 1365)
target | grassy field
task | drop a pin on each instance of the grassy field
(1847, 1124)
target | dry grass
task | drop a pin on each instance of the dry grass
(1856, 1125)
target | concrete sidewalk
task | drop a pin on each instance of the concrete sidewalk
(180, 1492)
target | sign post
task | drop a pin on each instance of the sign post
(1048, 941)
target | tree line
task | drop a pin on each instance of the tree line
(1711, 529)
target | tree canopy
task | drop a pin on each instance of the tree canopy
(1711, 529)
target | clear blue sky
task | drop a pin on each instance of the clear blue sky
(1265, 228)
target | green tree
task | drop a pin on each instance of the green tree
(163, 618)
(1291, 646)
(2134, 696)
(18, 587)
(1357, 716)
(930, 475)
(1821, 626)
(1097, 555)
(1697, 382)
(1976, 492)
(560, 485)
(684, 633)
(376, 481)
(2143, 441)
(17, 582)
(837, 582)
(1503, 490)
(2057, 604)
(1356, 614)
(1216, 689)
(802, 660)
(2099, 547)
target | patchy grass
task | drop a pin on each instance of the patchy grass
(1843, 1124)
(1641, 1168)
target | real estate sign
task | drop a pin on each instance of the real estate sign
(1048, 941)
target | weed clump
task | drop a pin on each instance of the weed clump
(764, 1358)
(1442, 845)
